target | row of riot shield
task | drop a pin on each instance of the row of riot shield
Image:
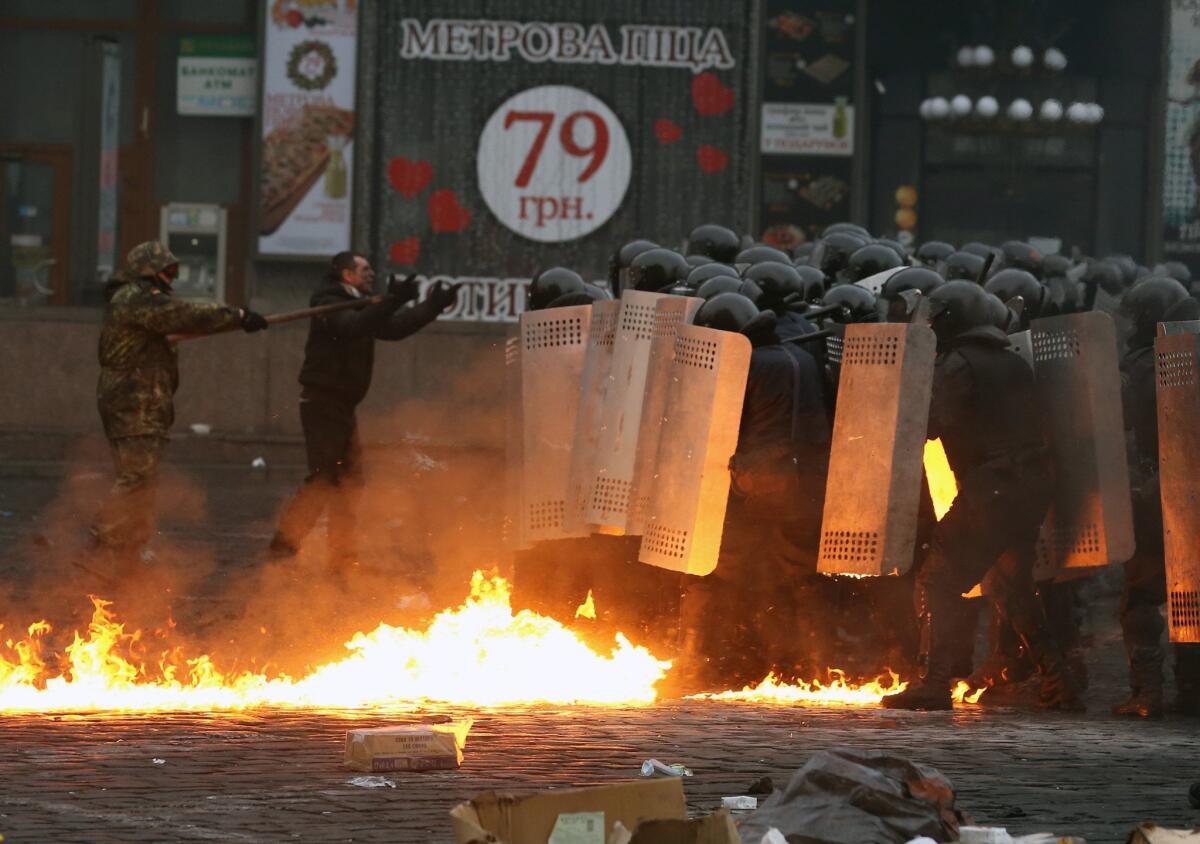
(875, 469)
(623, 417)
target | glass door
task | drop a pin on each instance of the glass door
(34, 194)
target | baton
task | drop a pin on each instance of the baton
(816, 313)
(987, 265)
(812, 335)
(290, 316)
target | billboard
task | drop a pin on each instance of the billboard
(527, 137)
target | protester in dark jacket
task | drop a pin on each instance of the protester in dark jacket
(339, 358)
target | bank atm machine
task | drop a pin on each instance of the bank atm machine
(195, 233)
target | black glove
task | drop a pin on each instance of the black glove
(403, 290)
(253, 321)
(442, 295)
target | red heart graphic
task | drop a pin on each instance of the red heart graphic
(711, 97)
(711, 159)
(409, 177)
(667, 131)
(405, 251)
(445, 214)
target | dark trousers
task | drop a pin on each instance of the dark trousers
(991, 529)
(126, 519)
(334, 483)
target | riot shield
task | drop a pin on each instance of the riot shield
(1177, 372)
(1079, 396)
(514, 435)
(875, 466)
(553, 345)
(1187, 327)
(875, 282)
(589, 400)
(699, 434)
(670, 313)
(621, 414)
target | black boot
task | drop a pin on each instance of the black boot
(932, 692)
(1145, 683)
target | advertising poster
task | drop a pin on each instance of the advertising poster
(533, 134)
(110, 141)
(1181, 178)
(306, 158)
(807, 128)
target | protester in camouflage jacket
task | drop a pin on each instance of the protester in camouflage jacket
(139, 374)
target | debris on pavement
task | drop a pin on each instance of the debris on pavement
(407, 747)
(652, 766)
(158, 761)
(201, 429)
(371, 782)
(258, 463)
(849, 796)
(1151, 833)
(501, 818)
(739, 803)
(761, 786)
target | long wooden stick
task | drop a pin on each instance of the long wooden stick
(290, 316)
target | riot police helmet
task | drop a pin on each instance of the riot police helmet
(975, 247)
(813, 283)
(713, 269)
(552, 284)
(833, 251)
(1021, 256)
(780, 282)
(1126, 266)
(871, 259)
(657, 268)
(857, 303)
(697, 260)
(962, 266)
(1010, 283)
(960, 306)
(921, 279)
(717, 242)
(1106, 274)
(1176, 270)
(590, 294)
(802, 253)
(895, 245)
(730, 284)
(727, 312)
(1056, 266)
(933, 252)
(853, 228)
(623, 257)
(760, 252)
(1146, 305)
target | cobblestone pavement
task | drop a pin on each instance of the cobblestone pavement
(277, 775)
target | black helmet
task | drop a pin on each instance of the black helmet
(871, 259)
(760, 252)
(704, 272)
(932, 253)
(1146, 305)
(1126, 266)
(590, 293)
(977, 248)
(780, 282)
(802, 253)
(813, 281)
(1056, 266)
(858, 303)
(962, 266)
(657, 268)
(832, 253)
(1176, 270)
(726, 284)
(1021, 256)
(717, 242)
(959, 306)
(552, 284)
(853, 228)
(895, 245)
(697, 260)
(1010, 282)
(922, 279)
(727, 312)
(623, 257)
(1106, 274)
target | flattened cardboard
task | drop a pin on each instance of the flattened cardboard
(407, 747)
(510, 819)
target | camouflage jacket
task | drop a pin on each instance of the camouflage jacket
(139, 370)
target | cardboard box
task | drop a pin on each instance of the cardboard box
(717, 828)
(408, 747)
(572, 816)
(1149, 833)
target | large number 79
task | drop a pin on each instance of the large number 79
(566, 136)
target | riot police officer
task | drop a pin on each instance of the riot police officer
(717, 242)
(982, 393)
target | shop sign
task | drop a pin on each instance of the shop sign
(217, 76)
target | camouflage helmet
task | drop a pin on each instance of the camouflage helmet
(149, 259)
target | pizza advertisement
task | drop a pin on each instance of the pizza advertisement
(306, 154)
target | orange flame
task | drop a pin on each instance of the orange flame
(837, 692)
(963, 694)
(943, 487)
(480, 653)
(588, 608)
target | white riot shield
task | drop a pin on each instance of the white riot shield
(875, 466)
(670, 314)
(875, 283)
(590, 401)
(621, 414)
(1177, 372)
(553, 346)
(514, 435)
(698, 437)
(1078, 382)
